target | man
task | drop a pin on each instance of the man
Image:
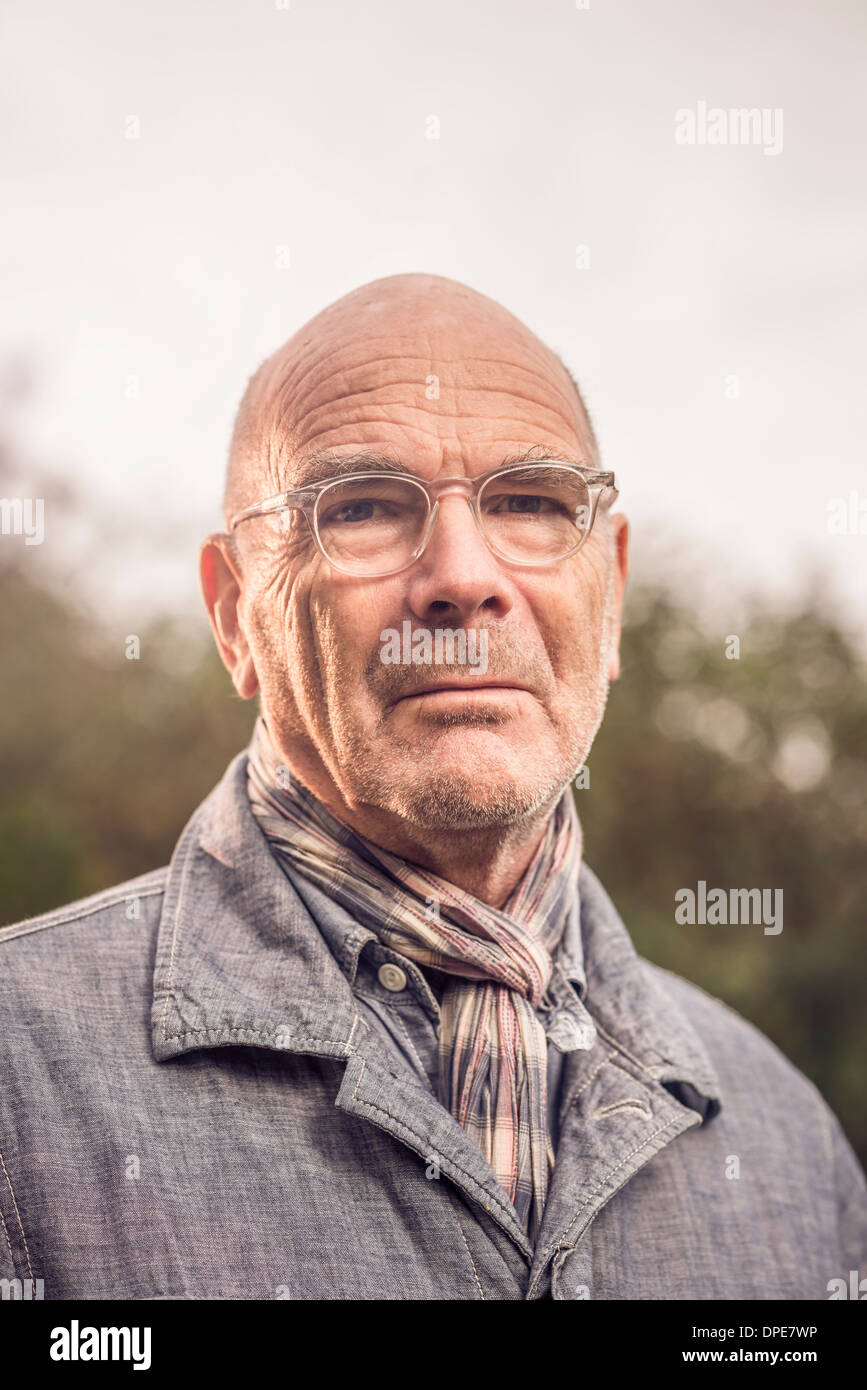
(377, 1031)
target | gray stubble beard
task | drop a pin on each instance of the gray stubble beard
(443, 800)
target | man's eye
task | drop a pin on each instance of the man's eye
(524, 503)
(356, 512)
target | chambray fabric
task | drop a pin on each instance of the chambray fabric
(195, 1104)
(408, 1022)
(493, 1049)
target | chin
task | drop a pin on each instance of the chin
(459, 801)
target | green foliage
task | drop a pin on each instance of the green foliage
(103, 758)
(744, 773)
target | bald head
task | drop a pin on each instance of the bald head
(425, 375)
(416, 364)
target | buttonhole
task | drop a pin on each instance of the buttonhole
(623, 1105)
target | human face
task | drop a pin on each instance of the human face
(413, 741)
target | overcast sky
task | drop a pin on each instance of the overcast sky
(156, 265)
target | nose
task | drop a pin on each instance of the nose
(457, 577)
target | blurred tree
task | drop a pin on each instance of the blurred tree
(104, 757)
(747, 772)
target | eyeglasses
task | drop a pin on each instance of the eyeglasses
(379, 523)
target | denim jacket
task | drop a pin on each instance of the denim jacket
(194, 1103)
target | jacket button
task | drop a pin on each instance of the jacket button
(391, 976)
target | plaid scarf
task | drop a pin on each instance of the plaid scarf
(492, 1047)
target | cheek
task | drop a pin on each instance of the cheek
(574, 618)
(278, 623)
(349, 619)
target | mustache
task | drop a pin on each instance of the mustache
(508, 660)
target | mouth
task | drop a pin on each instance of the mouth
(466, 688)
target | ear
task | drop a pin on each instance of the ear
(222, 589)
(620, 551)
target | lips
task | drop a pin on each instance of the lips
(459, 687)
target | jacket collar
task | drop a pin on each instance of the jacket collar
(237, 961)
(240, 960)
(634, 1011)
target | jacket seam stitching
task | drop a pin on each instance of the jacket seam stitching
(602, 1181)
(615, 1042)
(256, 1033)
(8, 1241)
(472, 1261)
(18, 1219)
(591, 1078)
(76, 916)
(174, 943)
(639, 1080)
(402, 1125)
(611, 1062)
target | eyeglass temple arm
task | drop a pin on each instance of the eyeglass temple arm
(605, 482)
(301, 498)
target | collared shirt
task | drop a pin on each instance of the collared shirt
(195, 1105)
(407, 1020)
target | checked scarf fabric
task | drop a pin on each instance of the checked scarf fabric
(492, 1047)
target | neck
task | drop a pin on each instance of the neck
(485, 861)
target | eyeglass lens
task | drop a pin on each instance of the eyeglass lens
(373, 525)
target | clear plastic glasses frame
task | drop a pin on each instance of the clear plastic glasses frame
(601, 490)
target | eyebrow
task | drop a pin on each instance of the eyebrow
(315, 468)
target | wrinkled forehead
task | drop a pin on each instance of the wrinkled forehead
(440, 391)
